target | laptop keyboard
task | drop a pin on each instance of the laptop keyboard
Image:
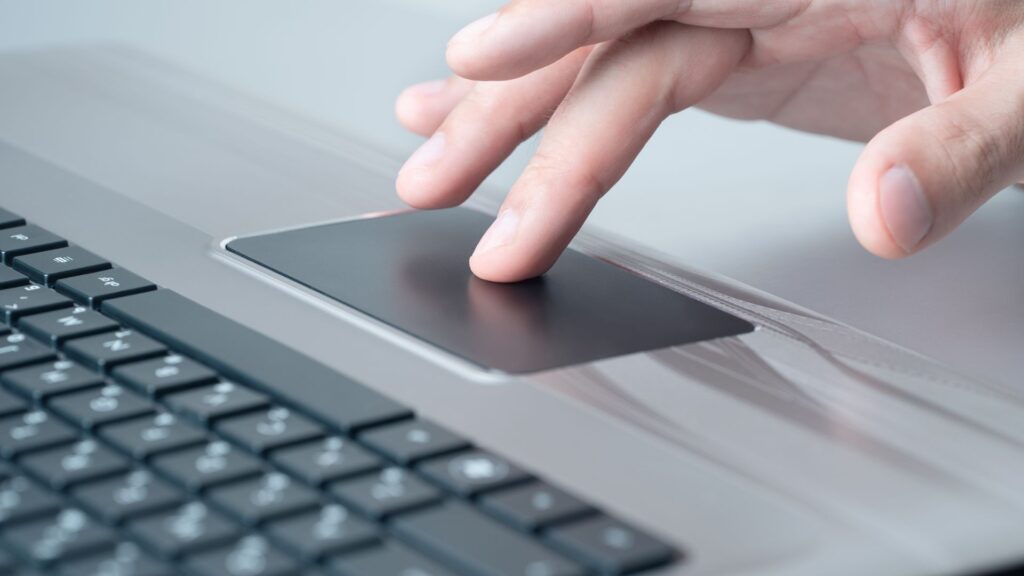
(142, 434)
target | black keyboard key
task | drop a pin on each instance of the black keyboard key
(391, 491)
(249, 556)
(97, 406)
(79, 462)
(25, 240)
(153, 434)
(30, 299)
(127, 495)
(160, 375)
(44, 380)
(216, 401)
(470, 473)
(477, 544)
(406, 442)
(60, 325)
(331, 529)
(247, 356)
(391, 560)
(126, 559)
(10, 404)
(610, 546)
(9, 278)
(21, 498)
(211, 464)
(30, 431)
(271, 495)
(49, 266)
(17, 350)
(64, 534)
(269, 429)
(192, 526)
(10, 219)
(332, 458)
(104, 351)
(534, 506)
(92, 289)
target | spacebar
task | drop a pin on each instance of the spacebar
(248, 357)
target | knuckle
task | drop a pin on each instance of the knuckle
(576, 177)
(976, 153)
(482, 102)
(587, 20)
(501, 108)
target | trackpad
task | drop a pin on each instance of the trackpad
(410, 270)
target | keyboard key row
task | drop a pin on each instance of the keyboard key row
(17, 350)
(251, 358)
(265, 430)
(9, 278)
(268, 496)
(200, 467)
(30, 431)
(104, 351)
(29, 299)
(41, 381)
(321, 461)
(65, 533)
(10, 219)
(21, 498)
(61, 325)
(412, 440)
(189, 527)
(73, 464)
(383, 494)
(208, 403)
(152, 434)
(134, 493)
(49, 266)
(321, 532)
(10, 404)
(161, 375)
(312, 493)
(97, 406)
(124, 559)
(95, 288)
(27, 239)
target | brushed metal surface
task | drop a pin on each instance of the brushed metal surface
(805, 447)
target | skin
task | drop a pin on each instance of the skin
(935, 87)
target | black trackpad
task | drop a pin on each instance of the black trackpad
(410, 270)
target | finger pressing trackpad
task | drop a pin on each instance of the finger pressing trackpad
(411, 271)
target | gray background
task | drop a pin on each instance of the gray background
(754, 202)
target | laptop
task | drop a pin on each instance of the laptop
(228, 349)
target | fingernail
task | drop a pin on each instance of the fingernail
(905, 209)
(429, 88)
(474, 29)
(501, 232)
(427, 154)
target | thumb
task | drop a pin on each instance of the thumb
(918, 179)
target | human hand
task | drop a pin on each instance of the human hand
(936, 86)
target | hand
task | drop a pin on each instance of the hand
(937, 86)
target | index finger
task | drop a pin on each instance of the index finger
(527, 35)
